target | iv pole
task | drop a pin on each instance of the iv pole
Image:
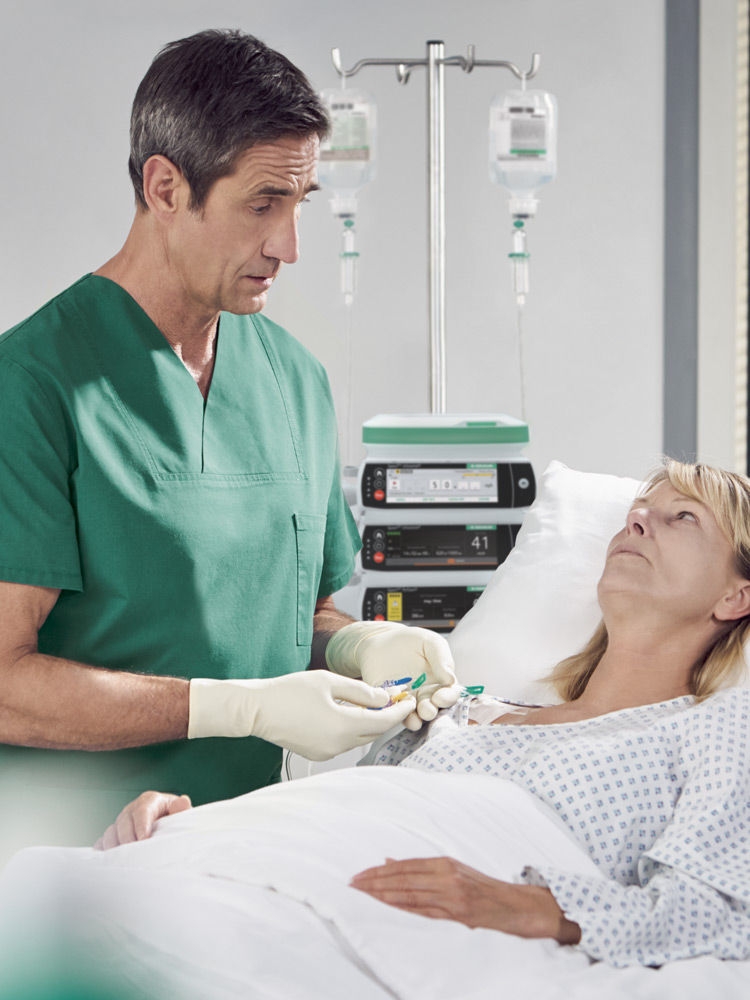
(435, 62)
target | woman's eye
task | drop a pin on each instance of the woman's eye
(687, 515)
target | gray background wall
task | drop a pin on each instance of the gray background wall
(593, 324)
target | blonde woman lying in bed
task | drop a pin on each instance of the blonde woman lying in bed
(644, 762)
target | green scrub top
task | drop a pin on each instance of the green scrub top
(189, 538)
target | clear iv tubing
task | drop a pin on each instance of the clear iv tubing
(349, 442)
(521, 364)
(519, 258)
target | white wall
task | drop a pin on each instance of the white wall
(69, 69)
(722, 277)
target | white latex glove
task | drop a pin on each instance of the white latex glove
(301, 712)
(380, 651)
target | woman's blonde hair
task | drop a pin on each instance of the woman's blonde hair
(727, 496)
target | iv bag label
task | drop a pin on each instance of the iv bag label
(519, 134)
(350, 133)
(528, 136)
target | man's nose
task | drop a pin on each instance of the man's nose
(283, 242)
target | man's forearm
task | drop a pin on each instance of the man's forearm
(58, 704)
(327, 620)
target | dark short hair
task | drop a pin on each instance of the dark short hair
(207, 98)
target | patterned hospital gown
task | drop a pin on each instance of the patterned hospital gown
(658, 795)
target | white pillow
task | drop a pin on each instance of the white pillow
(540, 605)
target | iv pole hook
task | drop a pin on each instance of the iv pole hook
(467, 63)
(470, 62)
(403, 66)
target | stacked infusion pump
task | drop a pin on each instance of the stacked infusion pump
(439, 502)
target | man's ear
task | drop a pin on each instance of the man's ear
(164, 186)
(735, 604)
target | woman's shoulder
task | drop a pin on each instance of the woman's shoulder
(721, 720)
(732, 700)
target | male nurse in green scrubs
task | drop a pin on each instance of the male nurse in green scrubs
(172, 519)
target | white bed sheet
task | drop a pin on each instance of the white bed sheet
(250, 898)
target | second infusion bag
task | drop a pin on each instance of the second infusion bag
(522, 157)
(347, 163)
(523, 145)
(347, 156)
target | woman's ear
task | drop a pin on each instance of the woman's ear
(735, 604)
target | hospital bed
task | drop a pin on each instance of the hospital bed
(229, 901)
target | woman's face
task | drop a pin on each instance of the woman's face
(671, 558)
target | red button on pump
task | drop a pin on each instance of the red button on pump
(379, 618)
(379, 557)
(379, 495)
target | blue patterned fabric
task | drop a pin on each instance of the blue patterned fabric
(658, 795)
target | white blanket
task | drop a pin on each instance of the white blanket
(250, 898)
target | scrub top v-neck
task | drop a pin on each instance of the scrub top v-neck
(189, 537)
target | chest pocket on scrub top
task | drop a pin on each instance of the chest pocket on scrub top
(310, 534)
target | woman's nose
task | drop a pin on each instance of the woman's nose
(638, 521)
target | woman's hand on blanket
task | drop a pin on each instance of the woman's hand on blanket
(386, 651)
(138, 818)
(446, 889)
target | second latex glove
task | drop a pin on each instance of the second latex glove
(380, 651)
(314, 713)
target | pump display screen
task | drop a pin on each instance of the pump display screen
(427, 484)
(437, 546)
(439, 608)
(449, 484)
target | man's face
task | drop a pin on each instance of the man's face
(228, 254)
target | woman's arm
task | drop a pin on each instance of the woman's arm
(672, 917)
(446, 889)
(138, 818)
(668, 917)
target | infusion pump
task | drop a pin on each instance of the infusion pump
(439, 503)
(466, 485)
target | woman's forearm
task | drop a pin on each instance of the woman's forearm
(444, 888)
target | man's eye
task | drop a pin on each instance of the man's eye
(260, 209)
